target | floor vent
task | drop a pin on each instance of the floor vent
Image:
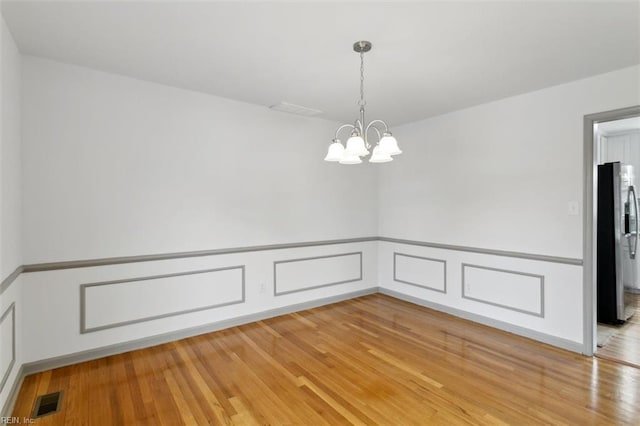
(47, 404)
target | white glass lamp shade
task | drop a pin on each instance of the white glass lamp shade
(389, 145)
(379, 156)
(335, 152)
(350, 158)
(355, 146)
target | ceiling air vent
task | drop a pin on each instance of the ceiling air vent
(47, 404)
(295, 109)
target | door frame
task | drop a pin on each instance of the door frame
(590, 215)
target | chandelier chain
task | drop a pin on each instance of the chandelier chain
(362, 101)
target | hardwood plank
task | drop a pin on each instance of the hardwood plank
(370, 360)
(216, 414)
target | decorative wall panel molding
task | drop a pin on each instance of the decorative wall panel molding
(149, 298)
(481, 250)
(515, 290)
(72, 264)
(8, 343)
(294, 275)
(6, 283)
(90, 263)
(423, 272)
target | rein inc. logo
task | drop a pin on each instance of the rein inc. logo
(17, 420)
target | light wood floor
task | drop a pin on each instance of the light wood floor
(371, 360)
(624, 345)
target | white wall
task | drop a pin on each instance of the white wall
(500, 176)
(10, 210)
(10, 158)
(116, 166)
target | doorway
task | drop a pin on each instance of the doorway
(612, 136)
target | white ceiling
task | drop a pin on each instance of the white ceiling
(428, 58)
(619, 125)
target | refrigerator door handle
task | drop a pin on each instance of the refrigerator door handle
(632, 192)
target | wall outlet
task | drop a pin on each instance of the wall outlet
(263, 288)
(467, 288)
(573, 208)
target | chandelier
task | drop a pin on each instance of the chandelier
(358, 143)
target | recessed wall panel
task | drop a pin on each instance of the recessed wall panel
(117, 303)
(420, 271)
(296, 275)
(515, 290)
(7, 344)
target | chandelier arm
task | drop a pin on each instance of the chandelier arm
(386, 128)
(377, 132)
(342, 127)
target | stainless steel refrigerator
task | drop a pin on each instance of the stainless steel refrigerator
(617, 226)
